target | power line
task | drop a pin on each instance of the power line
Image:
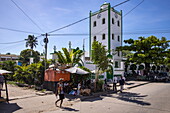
(13, 42)
(3, 28)
(81, 20)
(27, 16)
(10, 47)
(125, 33)
(134, 8)
(69, 25)
(121, 3)
(17, 41)
(123, 15)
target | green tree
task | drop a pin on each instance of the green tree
(99, 58)
(70, 58)
(26, 54)
(150, 50)
(21, 74)
(10, 66)
(31, 41)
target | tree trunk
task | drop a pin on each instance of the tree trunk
(96, 79)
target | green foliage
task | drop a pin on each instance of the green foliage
(146, 50)
(26, 54)
(10, 66)
(84, 68)
(70, 58)
(31, 41)
(31, 74)
(99, 56)
(21, 74)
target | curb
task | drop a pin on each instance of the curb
(110, 91)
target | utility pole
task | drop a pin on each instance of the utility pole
(46, 42)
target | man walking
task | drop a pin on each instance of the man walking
(121, 82)
(114, 83)
(60, 91)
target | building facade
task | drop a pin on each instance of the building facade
(4, 57)
(106, 28)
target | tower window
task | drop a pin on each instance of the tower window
(103, 37)
(103, 21)
(118, 23)
(94, 38)
(118, 53)
(113, 36)
(94, 24)
(116, 64)
(118, 38)
(113, 21)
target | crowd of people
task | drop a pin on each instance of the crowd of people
(64, 87)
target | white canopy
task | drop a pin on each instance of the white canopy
(77, 70)
(51, 66)
(4, 71)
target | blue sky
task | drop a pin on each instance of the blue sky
(152, 16)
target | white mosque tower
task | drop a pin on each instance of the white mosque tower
(106, 27)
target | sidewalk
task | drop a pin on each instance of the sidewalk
(129, 85)
(23, 100)
(26, 92)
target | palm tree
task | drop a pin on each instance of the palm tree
(31, 41)
(70, 59)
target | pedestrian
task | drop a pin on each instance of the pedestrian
(114, 83)
(1, 83)
(121, 82)
(78, 88)
(60, 91)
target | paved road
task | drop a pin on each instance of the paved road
(145, 98)
(148, 98)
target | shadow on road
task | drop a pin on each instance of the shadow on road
(97, 98)
(69, 109)
(133, 98)
(8, 107)
(130, 97)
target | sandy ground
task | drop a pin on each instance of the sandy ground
(15, 91)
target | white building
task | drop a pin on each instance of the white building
(4, 57)
(106, 27)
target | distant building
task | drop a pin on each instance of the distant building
(4, 57)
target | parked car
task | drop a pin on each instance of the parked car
(163, 76)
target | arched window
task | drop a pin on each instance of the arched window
(118, 53)
(116, 64)
(103, 21)
(118, 23)
(113, 21)
(113, 36)
(94, 39)
(103, 37)
(94, 24)
(118, 38)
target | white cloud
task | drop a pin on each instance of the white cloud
(62, 9)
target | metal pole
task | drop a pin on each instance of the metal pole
(6, 88)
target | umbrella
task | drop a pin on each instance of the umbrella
(51, 66)
(77, 70)
(4, 71)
